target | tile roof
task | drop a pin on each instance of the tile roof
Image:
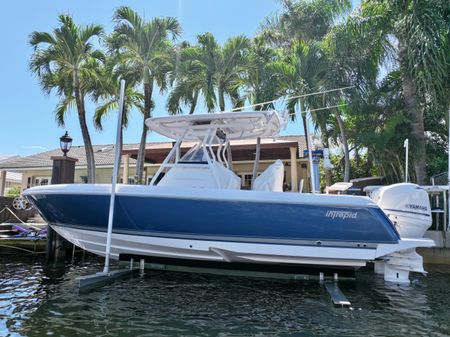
(104, 154)
(11, 176)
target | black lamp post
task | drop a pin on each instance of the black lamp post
(65, 143)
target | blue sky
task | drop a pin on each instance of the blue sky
(26, 113)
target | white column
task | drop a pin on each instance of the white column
(126, 167)
(2, 183)
(145, 173)
(294, 175)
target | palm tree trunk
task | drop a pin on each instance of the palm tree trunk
(369, 162)
(305, 129)
(90, 160)
(141, 152)
(414, 110)
(417, 128)
(397, 178)
(194, 102)
(221, 100)
(345, 143)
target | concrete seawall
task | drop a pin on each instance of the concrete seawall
(439, 254)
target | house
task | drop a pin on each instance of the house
(8, 179)
(37, 169)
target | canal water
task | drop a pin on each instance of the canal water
(40, 300)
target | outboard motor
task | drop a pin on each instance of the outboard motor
(408, 207)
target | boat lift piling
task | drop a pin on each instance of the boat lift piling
(108, 275)
(332, 287)
(337, 296)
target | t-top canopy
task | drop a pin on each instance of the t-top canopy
(235, 125)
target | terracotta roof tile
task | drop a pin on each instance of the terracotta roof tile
(104, 156)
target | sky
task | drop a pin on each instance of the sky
(27, 123)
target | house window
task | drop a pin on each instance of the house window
(131, 180)
(246, 180)
(41, 181)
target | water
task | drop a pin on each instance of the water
(36, 300)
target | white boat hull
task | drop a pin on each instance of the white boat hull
(219, 251)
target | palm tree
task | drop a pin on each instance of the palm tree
(230, 68)
(258, 79)
(107, 94)
(210, 70)
(303, 20)
(306, 23)
(194, 76)
(145, 49)
(68, 63)
(300, 72)
(412, 36)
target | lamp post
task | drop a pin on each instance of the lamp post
(65, 143)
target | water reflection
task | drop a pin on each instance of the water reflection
(37, 301)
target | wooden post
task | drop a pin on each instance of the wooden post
(63, 171)
(294, 175)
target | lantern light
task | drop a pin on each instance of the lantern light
(65, 143)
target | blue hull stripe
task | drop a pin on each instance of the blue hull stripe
(213, 218)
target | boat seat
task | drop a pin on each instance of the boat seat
(201, 176)
(271, 179)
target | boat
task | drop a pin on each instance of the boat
(194, 213)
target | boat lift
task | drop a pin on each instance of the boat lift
(107, 275)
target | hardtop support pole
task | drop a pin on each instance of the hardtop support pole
(114, 178)
(169, 156)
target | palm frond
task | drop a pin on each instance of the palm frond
(64, 106)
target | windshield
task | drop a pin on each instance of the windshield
(195, 155)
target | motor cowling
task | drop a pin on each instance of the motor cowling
(407, 206)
